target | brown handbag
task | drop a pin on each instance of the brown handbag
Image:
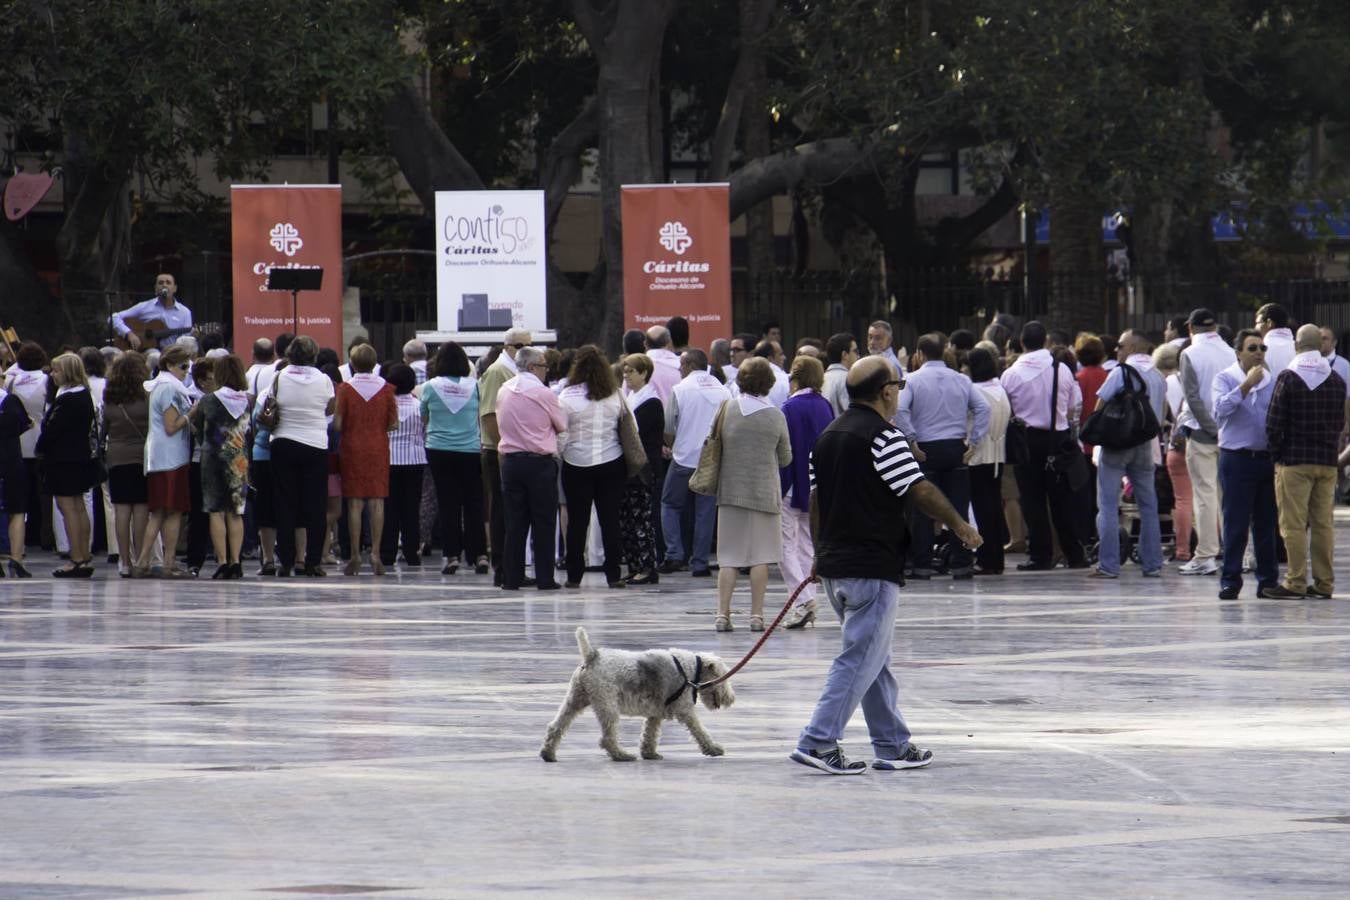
(270, 415)
(709, 468)
(633, 454)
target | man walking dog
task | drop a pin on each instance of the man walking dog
(863, 480)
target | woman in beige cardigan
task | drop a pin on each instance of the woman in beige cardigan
(755, 446)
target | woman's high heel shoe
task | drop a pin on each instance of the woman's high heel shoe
(756, 623)
(723, 623)
(17, 570)
(221, 573)
(802, 616)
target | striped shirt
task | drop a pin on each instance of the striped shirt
(407, 443)
(891, 459)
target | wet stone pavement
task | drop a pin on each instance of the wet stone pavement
(379, 737)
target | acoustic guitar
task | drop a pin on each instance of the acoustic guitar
(154, 332)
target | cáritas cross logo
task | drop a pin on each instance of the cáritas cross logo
(675, 238)
(285, 238)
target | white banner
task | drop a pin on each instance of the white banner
(491, 273)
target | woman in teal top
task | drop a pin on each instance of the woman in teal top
(450, 419)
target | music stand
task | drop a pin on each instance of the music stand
(295, 280)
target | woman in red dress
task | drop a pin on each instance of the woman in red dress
(366, 413)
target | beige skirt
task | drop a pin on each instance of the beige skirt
(746, 537)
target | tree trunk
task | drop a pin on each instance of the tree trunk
(629, 56)
(759, 231)
(1078, 299)
(28, 306)
(88, 243)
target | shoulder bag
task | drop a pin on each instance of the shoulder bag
(1126, 419)
(709, 469)
(633, 455)
(270, 415)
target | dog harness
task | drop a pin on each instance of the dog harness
(692, 685)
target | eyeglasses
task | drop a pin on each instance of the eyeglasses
(1255, 347)
(517, 346)
(543, 366)
(899, 384)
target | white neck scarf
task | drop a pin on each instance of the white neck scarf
(522, 382)
(235, 402)
(303, 374)
(26, 379)
(366, 384)
(166, 378)
(751, 405)
(454, 394)
(641, 395)
(73, 389)
(1140, 362)
(1236, 371)
(798, 393)
(508, 362)
(3, 394)
(705, 382)
(1312, 367)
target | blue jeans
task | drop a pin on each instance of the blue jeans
(1248, 501)
(861, 673)
(674, 495)
(1137, 462)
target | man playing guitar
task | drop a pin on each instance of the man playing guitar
(159, 319)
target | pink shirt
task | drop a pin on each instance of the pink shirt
(529, 417)
(1028, 381)
(666, 372)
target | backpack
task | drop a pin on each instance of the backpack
(1127, 419)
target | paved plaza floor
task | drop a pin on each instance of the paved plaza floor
(379, 737)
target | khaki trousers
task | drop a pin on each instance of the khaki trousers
(1202, 462)
(1305, 496)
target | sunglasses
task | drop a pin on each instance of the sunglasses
(517, 346)
(1252, 348)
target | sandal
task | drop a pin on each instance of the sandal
(723, 623)
(756, 623)
(353, 566)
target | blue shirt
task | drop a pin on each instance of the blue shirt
(1242, 420)
(178, 317)
(934, 404)
(456, 432)
(1153, 382)
(166, 452)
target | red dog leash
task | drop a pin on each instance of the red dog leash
(760, 643)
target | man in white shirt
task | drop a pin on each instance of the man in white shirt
(164, 307)
(415, 355)
(1272, 321)
(690, 413)
(841, 352)
(1201, 362)
(665, 362)
(345, 370)
(773, 352)
(880, 338)
(264, 358)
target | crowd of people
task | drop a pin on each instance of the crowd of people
(671, 457)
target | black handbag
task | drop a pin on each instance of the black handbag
(1125, 420)
(1016, 447)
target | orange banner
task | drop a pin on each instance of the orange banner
(677, 258)
(286, 226)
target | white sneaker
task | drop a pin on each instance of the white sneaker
(1199, 567)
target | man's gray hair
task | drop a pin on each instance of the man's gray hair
(698, 360)
(189, 343)
(883, 325)
(517, 336)
(528, 356)
(720, 352)
(414, 350)
(1308, 337)
(658, 336)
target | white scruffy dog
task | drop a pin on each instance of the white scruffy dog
(654, 684)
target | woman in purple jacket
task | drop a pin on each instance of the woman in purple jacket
(807, 414)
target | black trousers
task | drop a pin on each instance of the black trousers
(492, 496)
(947, 471)
(403, 514)
(1039, 486)
(530, 500)
(459, 500)
(300, 480)
(659, 467)
(986, 499)
(602, 486)
(198, 522)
